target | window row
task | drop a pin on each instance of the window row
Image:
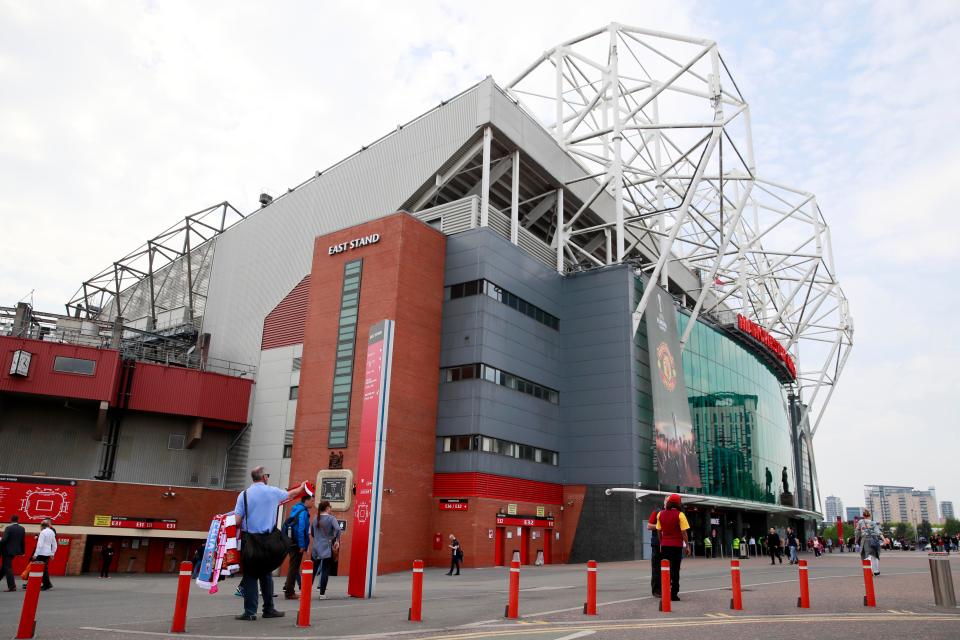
(346, 342)
(480, 371)
(487, 288)
(500, 447)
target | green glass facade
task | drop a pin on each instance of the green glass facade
(740, 417)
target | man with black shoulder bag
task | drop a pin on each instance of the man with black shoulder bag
(263, 546)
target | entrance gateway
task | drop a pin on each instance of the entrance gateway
(520, 529)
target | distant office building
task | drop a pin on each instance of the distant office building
(853, 512)
(901, 504)
(833, 508)
(946, 510)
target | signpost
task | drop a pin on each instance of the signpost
(373, 447)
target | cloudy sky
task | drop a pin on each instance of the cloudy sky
(117, 118)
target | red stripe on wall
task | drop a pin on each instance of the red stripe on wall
(188, 392)
(284, 326)
(487, 485)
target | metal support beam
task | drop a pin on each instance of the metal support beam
(485, 178)
(515, 199)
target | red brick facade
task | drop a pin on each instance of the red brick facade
(402, 279)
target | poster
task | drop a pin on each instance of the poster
(365, 540)
(34, 498)
(677, 461)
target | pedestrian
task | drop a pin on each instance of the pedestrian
(297, 528)
(672, 526)
(256, 511)
(707, 547)
(106, 559)
(829, 545)
(195, 561)
(869, 535)
(753, 546)
(736, 546)
(655, 556)
(12, 544)
(792, 545)
(46, 549)
(326, 545)
(456, 555)
(773, 546)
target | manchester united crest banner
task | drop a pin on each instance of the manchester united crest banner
(676, 451)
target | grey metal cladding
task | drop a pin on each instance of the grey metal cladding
(262, 258)
(598, 399)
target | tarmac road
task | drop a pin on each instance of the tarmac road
(471, 606)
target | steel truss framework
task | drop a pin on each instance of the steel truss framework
(169, 271)
(659, 123)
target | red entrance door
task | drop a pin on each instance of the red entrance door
(155, 556)
(498, 547)
(547, 545)
(525, 545)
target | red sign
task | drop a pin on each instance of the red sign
(34, 499)
(365, 540)
(124, 522)
(521, 521)
(773, 345)
(453, 504)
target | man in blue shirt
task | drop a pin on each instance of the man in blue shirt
(262, 500)
(297, 528)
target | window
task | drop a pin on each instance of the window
(504, 379)
(294, 392)
(497, 446)
(297, 362)
(176, 441)
(288, 451)
(63, 364)
(346, 343)
(485, 287)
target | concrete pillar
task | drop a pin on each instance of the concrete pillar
(101, 429)
(21, 320)
(194, 433)
(116, 334)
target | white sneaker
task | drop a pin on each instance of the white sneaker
(321, 597)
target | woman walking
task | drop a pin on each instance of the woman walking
(869, 536)
(325, 546)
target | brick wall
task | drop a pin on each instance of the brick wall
(192, 508)
(402, 280)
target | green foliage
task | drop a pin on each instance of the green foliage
(951, 527)
(925, 530)
(903, 530)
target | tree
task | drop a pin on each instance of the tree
(925, 530)
(951, 527)
(903, 530)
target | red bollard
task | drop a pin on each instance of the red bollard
(306, 587)
(513, 606)
(183, 593)
(804, 600)
(870, 599)
(590, 606)
(736, 603)
(28, 615)
(665, 586)
(416, 596)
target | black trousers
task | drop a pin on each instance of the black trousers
(674, 555)
(105, 568)
(323, 566)
(775, 553)
(454, 564)
(7, 571)
(46, 571)
(655, 569)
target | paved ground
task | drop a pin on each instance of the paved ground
(471, 606)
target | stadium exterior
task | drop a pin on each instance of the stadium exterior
(596, 297)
